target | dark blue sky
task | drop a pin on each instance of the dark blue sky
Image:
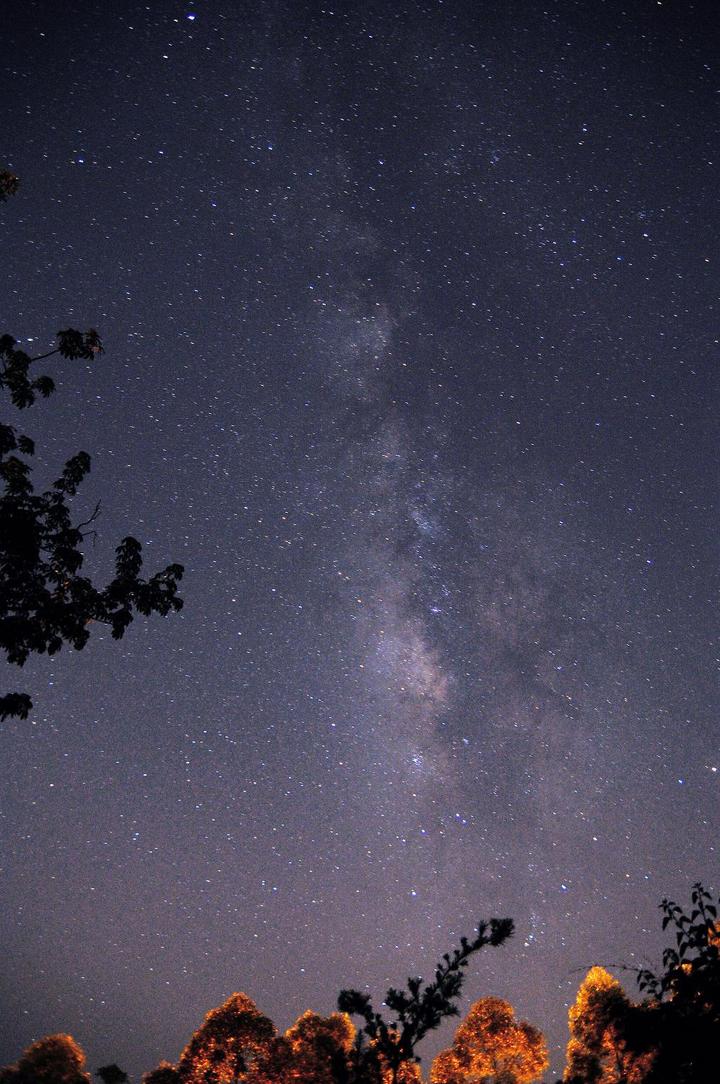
(411, 319)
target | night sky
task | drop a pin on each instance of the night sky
(411, 328)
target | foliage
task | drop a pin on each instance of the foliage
(9, 184)
(418, 1009)
(684, 1002)
(112, 1074)
(227, 1043)
(673, 1036)
(315, 1050)
(56, 1059)
(596, 1052)
(164, 1073)
(44, 600)
(320, 1048)
(491, 1045)
(692, 965)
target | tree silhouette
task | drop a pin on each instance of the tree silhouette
(673, 1036)
(112, 1074)
(418, 1009)
(692, 965)
(490, 1045)
(682, 1025)
(9, 184)
(44, 600)
(56, 1059)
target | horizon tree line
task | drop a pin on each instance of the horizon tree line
(670, 1036)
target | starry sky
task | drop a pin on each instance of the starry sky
(411, 326)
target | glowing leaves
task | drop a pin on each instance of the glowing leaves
(318, 1049)
(419, 1008)
(224, 1048)
(595, 1051)
(56, 1059)
(165, 1073)
(491, 1045)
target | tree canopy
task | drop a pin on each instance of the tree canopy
(596, 1050)
(673, 1035)
(224, 1047)
(420, 1009)
(670, 1037)
(45, 601)
(491, 1045)
(56, 1059)
(9, 184)
(112, 1074)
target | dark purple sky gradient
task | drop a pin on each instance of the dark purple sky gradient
(411, 316)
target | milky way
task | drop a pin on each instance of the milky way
(411, 321)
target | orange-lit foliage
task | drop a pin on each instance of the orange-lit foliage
(231, 1038)
(321, 1046)
(407, 1073)
(165, 1073)
(418, 1008)
(315, 1050)
(490, 1045)
(57, 1059)
(376, 1069)
(273, 1065)
(597, 1051)
(446, 1069)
